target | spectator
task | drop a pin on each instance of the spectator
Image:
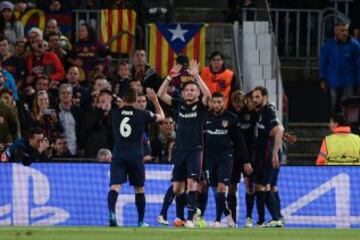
(144, 72)
(81, 95)
(163, 145)
(136, 85)
(218, 78)
(13, 64)
(56, 47)
(42, 83)
(9, 25)
(34, 35)
(71, 118)
(44, 117)
(87, 50)
(9, 124)
(98, 125)
(104, 155)
(29, 149)
(340, 66)
(43, 62)
(23, 6)
(120, 80)
(152, 11)
(59, 148)
(52, 27)
(21, 48)
(157, 11)
(55, 6)
(340, 148)
(100, 83)
(7, 81)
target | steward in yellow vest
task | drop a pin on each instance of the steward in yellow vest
(340, 148)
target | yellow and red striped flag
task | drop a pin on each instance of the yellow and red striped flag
(115, 21)
(166, 41)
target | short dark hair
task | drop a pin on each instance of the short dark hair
(218, 95)
(52, 34)
(41, 76)
(130, 95)
(216, 53)
(6, 90)
(29, 133)
(339, 118)
(262, 89)
(140, 95)
(3, 38)
(188, 83)
(105, 91)
(123, 63)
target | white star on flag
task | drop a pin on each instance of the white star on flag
(178, 32)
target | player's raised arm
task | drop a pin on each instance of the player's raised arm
(162, 93)
(154, 99)
(194, 70)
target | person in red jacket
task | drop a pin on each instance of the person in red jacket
(43, 62)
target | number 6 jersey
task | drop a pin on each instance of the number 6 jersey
(128, 124)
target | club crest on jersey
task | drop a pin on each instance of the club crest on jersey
(224, 123)
(247, 117)
(194, 108)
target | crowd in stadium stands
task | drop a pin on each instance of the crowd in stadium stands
(66, 89)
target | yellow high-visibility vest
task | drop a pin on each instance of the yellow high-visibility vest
(343, 149)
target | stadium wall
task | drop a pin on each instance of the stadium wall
(75, 194)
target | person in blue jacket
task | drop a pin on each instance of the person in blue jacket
(340, 66)
(9, 83)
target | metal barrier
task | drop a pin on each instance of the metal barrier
(291, 25)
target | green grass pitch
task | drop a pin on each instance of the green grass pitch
(105, 233)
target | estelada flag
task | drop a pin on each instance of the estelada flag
(166, 41)
(114, 22)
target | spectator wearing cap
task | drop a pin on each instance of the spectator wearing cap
(9, 123)
(218, 78)
(9, 25)
(43, 62)
(144, 72)
(34, 35)
(12, 63)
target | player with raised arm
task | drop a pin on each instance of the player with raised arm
(128, 124)
(223, 140)
(188, 146)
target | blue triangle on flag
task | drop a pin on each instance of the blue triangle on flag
(178, 35)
